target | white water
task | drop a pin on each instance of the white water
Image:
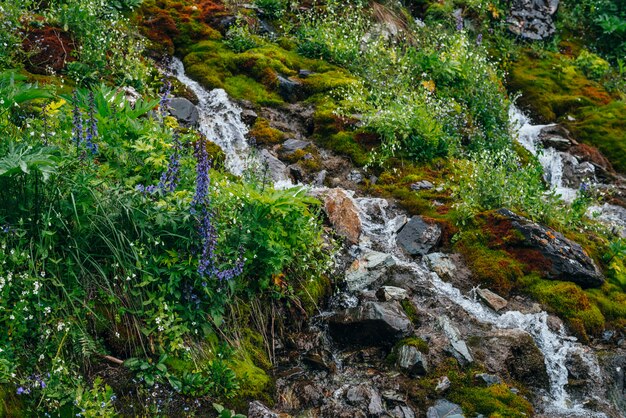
(380, 229)
(220, 121)
(550, 159)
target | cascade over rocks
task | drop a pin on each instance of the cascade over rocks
(532, 19)
(370, 324)
(565, 259)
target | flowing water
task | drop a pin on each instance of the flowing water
(220, 121)
(550, 159)
(380, 233)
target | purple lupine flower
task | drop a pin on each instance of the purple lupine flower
(584, 188)
(92, 127)
(479, 39)
(169, 179)
(201, 205)
(165, 100)
(459, 22)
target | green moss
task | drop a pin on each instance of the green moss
(323, 82)
(605, 128)
(244, 87)
(312, 292)
(410, 310)
(569, 302)
(494, 268)
(250, 364)
(552, 85)
(263, 133)
(344, 143)
(418, 343)
(493, 401)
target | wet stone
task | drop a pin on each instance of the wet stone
(387, 293)
(445, 409)
(488, 379)
(370, 324)
(417, 237)
(491, 299)
(368, 269)
(411, 360)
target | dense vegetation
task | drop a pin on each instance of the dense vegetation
(124, 239)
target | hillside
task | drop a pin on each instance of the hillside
(312, 209)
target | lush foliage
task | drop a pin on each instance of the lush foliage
(427, 93)
(107, 249)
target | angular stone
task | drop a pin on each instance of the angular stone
(278, 171)
(488, 379)
(441, 264)
(249, 116)
(258, 410)
(443, 384)
(418, 237)
(370, 324)
(368, 269)
(343, 214)
(292, 145)
(365, 397)
(402, 411)
(445, 409)
(513, 353)
(422, 185)
(412, 360)
(564, 259)
(491, 299)
(289, 89)
(184, 111)
(387, 293)
(458, 348)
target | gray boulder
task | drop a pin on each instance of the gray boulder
(184, 111)
(532, 19)
(289, 89)
(458, 348)
(417, 237)
(365, 398)
(277, 170)
(258, 410)
(412, 360)
(292, 145)
(564, 259)
(370, 324)
(445, 409)
(368, 269)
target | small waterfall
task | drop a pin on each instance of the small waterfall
(549, 158)
(220, 120)
(379, 231)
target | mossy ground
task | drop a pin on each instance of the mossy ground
(474, 398)
(493, 253)
(554, 88)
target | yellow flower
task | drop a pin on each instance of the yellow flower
(428, 85)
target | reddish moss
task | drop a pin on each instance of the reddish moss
(48, 48)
